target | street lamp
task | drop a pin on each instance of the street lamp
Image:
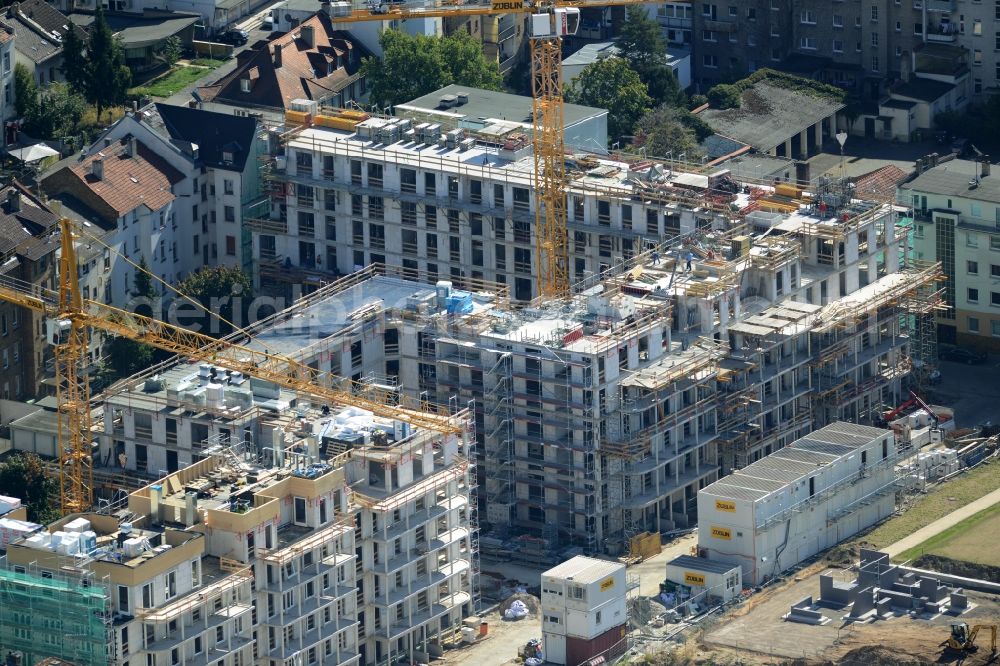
(841, 139)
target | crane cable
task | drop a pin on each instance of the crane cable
(236, 329)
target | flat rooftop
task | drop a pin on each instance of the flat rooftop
(702, 564)
(484, 106)
(584, 570)
(954, 179)
(769, 115)
(333, 315)
(789, 465)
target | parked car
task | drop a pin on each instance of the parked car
(235, 36)
(961, 355)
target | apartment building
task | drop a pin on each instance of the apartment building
(456, 205)
(860, 46)
(163, 185)
(601, 415)
(956, 210)
(266, 550)
(28, 250)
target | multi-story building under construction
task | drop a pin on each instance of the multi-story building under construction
(359, 552)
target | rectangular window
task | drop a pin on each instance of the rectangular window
(995, 243)
(972, 267)
(807, 43)
(972, 295)
(807, 17)
(973, 324)
(874, 39)
(995, 298)
(838, 21)
(995, 328)
(231, 246)
(874, 12)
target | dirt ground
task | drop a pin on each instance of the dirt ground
(500, 646)
(756, 634)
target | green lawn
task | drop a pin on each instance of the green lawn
(175, 80)
(206, 62)
(938, 503)
(965, 541)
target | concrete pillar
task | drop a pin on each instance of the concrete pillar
(818, 127)
(788, 148)
(892, 259)
(804, 144)
(872, 268)
(706, 315)
(773, 152)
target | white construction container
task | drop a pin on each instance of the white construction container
(799, 500)
(583, 604)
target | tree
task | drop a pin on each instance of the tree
(25, 91)
(414, 65)
(642, 45)
(169, 52)
(22, 475)
(464, 57)
(219, 289)
(57, 112)
(666, 129)
(128, 357)
(611, 84)
(107, 78)
(74, 66)
(725, 96)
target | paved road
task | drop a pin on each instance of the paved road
(941, 524)
(972, 390)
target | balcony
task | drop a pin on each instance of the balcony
(719, 26)
(940, 5)
(941, 33)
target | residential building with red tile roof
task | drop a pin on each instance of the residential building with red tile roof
(314, 62)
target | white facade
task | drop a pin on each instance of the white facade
(844, 481)
(705, 578)
(582, 598)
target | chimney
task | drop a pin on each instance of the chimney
(307, 35)
(934, 159)
(985, 166)
(97, 167)
(277, 55)
(131, 146)
(13, 200)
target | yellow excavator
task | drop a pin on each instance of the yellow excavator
(963, 639)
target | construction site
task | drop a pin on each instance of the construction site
(322, 486)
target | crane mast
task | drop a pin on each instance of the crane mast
(551, 232)
(76, 471)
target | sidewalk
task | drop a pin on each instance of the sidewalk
(941, 524)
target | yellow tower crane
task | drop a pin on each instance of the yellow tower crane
(549, 22)
(72, 316)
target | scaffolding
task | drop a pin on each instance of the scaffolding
(61, 617)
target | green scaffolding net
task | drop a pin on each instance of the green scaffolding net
(48, 617)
